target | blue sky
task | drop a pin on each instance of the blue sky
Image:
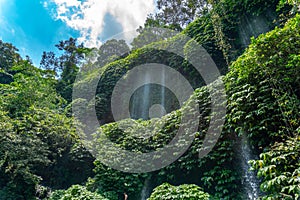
(35, 26)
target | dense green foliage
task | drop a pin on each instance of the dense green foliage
(112, 184)
(280, 168)
(263, 86)
(220, 180)
(76, 192)
(44, 139)
(263, 109)
(182, 192)
(202, 31)
(65, 66)
(112, 72)
(42, 157)
(9, 56)
(230, 23)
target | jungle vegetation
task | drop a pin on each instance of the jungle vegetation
(255, 45)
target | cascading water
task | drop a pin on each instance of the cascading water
(141, 100)
(149, 101)
(146, 98)
(163, 92)
(146, 191)
(249, 180)
(253, 26)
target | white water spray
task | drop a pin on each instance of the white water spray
(250, 180)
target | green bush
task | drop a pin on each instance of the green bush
(76, 192)
(279, 168)
(182, 192)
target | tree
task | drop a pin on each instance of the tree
(19, 153)
(151, 34)
(65, 66)
(49, 61)
(180, 13)
(29, 88)
(44, 140)
(8, 55)
(112, 48)
(108, 52)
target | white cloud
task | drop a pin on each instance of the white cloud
(88, 16)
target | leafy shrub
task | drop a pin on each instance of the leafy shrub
(113, 184)
(279, 168)
(76, 192)
(182, 192)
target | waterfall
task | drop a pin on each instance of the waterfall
(146, 191)
(140, 102)
(163, 91)
(249, 180)
(149, 101)
(254, 26)
(146, 98)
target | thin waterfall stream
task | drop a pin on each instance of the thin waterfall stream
(249, 179)
(149, 101)
(147, 189)
(163, 93)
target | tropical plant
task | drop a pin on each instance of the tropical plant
(182, 192)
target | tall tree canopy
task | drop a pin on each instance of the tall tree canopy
(66, 65)
(8, 55)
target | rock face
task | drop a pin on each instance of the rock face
(5, 78)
